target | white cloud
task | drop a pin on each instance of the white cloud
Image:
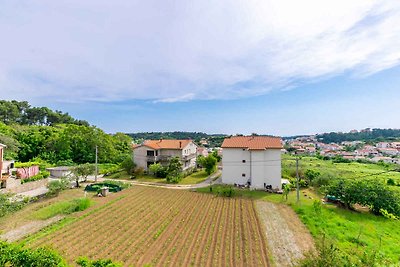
(182, 50)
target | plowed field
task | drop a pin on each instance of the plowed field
(164, 227)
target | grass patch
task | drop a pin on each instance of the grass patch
(64, 207)
(357, 235)
(195, 178)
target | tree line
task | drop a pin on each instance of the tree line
(21, 112)
(66, 142)
(371, 135)
(214, 140)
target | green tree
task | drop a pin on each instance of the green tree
(128, 165)
(209, 163)
(174, 170)
(311, 175)
(82, 171)
(216, 155)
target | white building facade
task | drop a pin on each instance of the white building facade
(253, 161)
(161, 151)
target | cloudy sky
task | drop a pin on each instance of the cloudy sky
(276, 67)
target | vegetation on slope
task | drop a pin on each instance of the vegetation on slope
(372, 135)
(64, 140)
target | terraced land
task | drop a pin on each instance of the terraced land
(164, 227)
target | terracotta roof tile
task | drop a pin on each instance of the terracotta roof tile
(252, 142)
(166, 144)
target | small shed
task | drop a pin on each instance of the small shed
(61, 171)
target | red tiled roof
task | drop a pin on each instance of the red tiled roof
(252, 142)
(166, 144)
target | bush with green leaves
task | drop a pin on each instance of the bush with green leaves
(390, 181)
(55, 187)
(8, 205)
(158, 170)
(174, 171)
(16, 255)
(311, 175)
(369, 192)
(85, 262)
(40, 176)
(128, 165)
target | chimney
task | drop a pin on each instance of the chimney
(180, 144)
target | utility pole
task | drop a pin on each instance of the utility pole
(95, 172)
(297, 181)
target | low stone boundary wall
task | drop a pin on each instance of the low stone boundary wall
(28, 186)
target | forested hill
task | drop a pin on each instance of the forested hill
(21, 112)
(34, 134)
(364, 135)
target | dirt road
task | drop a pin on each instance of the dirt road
(288, 239)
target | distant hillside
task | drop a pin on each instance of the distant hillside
(214, 140)
(364, 135)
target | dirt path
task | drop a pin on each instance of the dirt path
(288, 239)
(28, 229)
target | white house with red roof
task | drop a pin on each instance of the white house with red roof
(253, 161)
(161, 151)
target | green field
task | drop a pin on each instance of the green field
(339, 170)
(359, 235)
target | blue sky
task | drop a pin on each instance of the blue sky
(273, 67)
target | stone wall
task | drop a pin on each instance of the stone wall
(27, 186)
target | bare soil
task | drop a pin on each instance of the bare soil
(164, 227)
(29, 228)
(287, 237)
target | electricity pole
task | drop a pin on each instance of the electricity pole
(95, 172)
(297, 181)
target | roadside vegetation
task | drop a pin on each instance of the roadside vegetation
(17, 255)
(9, 205)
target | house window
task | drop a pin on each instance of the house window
(243, 175)
(150, 153)
(244, 161)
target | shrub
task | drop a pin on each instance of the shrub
(158, 170)
(55, 187)
(390, 181)
(110, 170)
(41, 175)
(16, 255)
(370, 192)
(311, 175)
(128, 165)
(65, 207)
(85, 262)
(8, 206)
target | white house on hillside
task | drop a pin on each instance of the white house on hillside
(252, 160)
(161, 151)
